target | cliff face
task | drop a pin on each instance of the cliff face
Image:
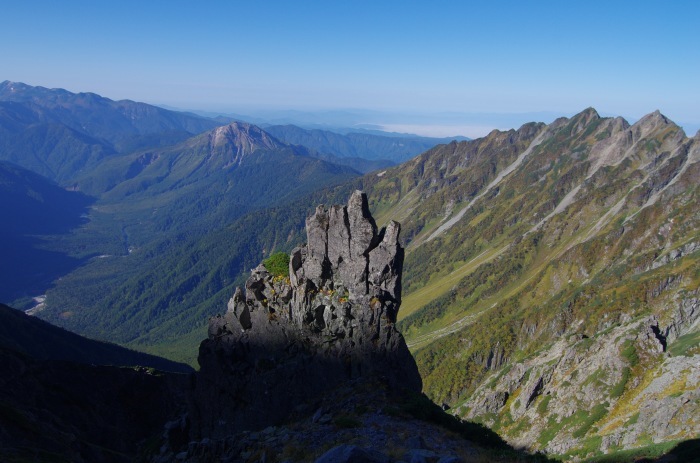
(287, 340)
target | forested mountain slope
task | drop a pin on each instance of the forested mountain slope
(164, 239)
(154, 186)
(30, 336)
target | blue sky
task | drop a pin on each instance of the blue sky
(421, 58)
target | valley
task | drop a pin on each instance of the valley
(551, 274)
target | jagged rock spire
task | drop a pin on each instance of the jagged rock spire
(285, 341)
(344, 249)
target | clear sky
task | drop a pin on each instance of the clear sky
(621, 57)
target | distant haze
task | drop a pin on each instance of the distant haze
(440, 130)
(625, 58)
(427, 123)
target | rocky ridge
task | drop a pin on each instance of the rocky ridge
(287, 340)
(575, 244)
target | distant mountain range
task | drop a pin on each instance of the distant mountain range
(397, 149)
(143, 208)
(114, 150)
(220, 159)
(58, 133)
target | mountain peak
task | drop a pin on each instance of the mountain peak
(10, 84)
(234, 142)
(589, 112)
(8, 87)
(245, 137)
(586, 116)
(654, 118)
(19, 91)
(653, 122)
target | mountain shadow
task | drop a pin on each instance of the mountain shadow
(68, 398)
(38, 339)
(33, 208)
(60, 411)
(687, 451)
(682, 452)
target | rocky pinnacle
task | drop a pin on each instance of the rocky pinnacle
(286, 341)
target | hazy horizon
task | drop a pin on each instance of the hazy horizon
(508, 58)
(438, 124)
(442, 124)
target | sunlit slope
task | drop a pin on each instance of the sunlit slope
(546, 235)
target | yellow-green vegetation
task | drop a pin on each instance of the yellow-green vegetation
(688, 345)
(178, 349)
(278, 264)
(619, 388)
(440, 283)
(681, 451)
(593, 417)
(625, 410)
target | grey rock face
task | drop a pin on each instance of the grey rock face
(284, 341)
(338, 251)
(576, 374)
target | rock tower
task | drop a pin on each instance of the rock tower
(286, 341)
